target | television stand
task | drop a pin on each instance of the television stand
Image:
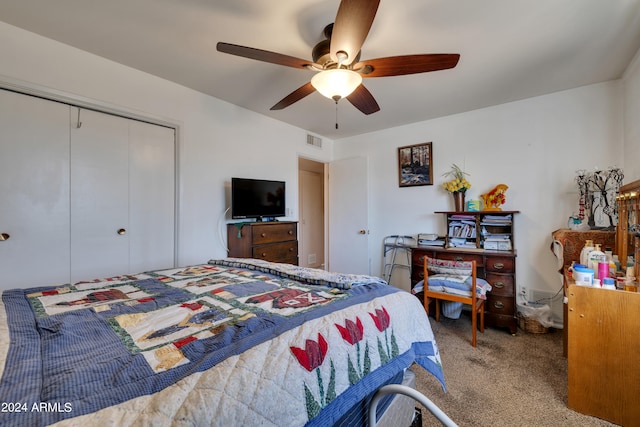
(275, 241)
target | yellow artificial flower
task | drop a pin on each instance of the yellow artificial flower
(458, 181)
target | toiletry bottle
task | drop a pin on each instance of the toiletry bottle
(596, 256)
(584, 254)
(616, 261)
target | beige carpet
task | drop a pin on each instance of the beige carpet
(505, 381)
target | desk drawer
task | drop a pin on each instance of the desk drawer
(462, 257)
(501, 284)
(499, 304)
(417, 257)
(501, 264)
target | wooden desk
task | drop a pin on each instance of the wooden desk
(496, 267)
(604, 344)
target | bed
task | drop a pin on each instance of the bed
(229, 342)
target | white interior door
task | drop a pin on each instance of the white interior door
(99, 196)
(151, 197)
(34, 191)
(349, 216)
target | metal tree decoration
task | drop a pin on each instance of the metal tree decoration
(597, 196)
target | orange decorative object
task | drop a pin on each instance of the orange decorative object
(495, 198)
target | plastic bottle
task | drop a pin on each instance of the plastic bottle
(616, 261)
(608, 283)
(584, 254)
(612, 265)
(596, 256)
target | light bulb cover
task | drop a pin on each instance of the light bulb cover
(336, 83)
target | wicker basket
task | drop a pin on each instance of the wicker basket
(531, 325)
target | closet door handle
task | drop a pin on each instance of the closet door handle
(4, 236)
(122, 231)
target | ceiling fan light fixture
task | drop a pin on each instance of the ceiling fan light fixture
(336, 83)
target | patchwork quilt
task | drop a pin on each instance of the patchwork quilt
(230, 342)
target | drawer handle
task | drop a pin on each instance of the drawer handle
(498, 265)
(263, 234)
(290, 232)
(264, 254)
(499, 285)
(498, 305)
(4, 236)
(122, 231)
(459, 258)
(421, 275)
(290, 249)
(421, 258)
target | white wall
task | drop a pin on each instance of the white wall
(534, 146)
(217, 140)
(631, 81)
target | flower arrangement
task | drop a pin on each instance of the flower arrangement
(458, 183)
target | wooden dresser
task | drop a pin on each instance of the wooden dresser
(269, 241)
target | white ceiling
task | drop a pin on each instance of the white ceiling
(510, 49)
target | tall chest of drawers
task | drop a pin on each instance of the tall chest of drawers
(269, 241)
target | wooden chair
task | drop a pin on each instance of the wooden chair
(477, 304)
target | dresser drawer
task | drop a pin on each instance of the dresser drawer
(276, 252)
(269, 233)
(501, 284)
(499, 304)
(501, 264)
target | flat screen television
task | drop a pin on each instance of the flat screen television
(257, 198)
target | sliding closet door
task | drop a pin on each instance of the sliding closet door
(122, 196)
(34, 191)
(99, 196)
(151, 196)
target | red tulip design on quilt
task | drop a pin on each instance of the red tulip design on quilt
(382, 321)
(311, 357)
(352, 332)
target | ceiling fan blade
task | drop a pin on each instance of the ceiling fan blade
(294, 96)
(351, 27)
(408, 64)
(362, 99)
(264, 55)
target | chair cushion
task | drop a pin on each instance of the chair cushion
(444, 266)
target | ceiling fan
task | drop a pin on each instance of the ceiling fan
(337, 60)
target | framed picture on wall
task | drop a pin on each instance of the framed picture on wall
(415, 165)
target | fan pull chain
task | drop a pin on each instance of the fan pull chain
(336, 114)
